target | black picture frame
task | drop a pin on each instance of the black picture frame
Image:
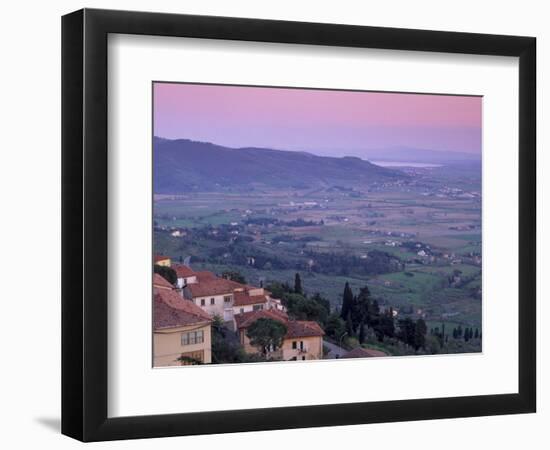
(84, 224)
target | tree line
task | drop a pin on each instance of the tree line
(361, 312)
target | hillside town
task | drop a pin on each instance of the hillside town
(188, 312)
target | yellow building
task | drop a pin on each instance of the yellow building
(303, 340)
(181, 330)
(161, 260)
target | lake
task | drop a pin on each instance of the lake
(403, 164)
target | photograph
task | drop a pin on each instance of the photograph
(300, 224)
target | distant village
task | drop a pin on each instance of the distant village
(185, 312)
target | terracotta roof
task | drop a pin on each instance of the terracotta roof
(243, 320)
(158, 258)
(212, 286)
(175, 300)
(295, 328)
(303, 328)
(205, 275)
(244, 298)
(360, 352)
(161, 282)
(183, 271)
(170, 310)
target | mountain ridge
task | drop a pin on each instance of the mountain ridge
(181, 165)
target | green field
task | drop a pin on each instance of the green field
(431, 236)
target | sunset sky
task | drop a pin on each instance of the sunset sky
(321, 121)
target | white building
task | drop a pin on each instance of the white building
(185, 275)
(225, 298)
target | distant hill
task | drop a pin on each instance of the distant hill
(406, 154)
(418, 155)
(182, 165)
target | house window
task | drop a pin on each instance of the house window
(294, 345)
(301, 345)
(192, 337)
(294, 358)
(303, 358)
(212, 301)
(203, 302)
(227, 299)
(258, 307)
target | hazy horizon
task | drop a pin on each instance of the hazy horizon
(319, 152)
(322, 122)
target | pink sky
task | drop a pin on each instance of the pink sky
(321, 121)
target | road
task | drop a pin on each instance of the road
(334, 350)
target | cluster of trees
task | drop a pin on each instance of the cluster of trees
(167, 273)
(233, 275)
(238, 248)
(238, 253)
(360, 316)
(362, 313)
(413, 333)
(458, 280)
(299, 305)
(266, 334)
(226, 348)
(467, 334)
(440, 334)
(413, 245)
(302, 223)
(376, 262)
(261, 221)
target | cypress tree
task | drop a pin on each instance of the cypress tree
(477, 334)
(376, 319)
(361, 333)
(361, 307)
(387, 326)
(298, 284)
(349, 326)
(420, 334)
(407, 330)
(347, 302)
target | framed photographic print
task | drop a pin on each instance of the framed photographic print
(273, 224)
